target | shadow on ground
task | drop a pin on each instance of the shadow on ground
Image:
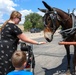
(59, 70)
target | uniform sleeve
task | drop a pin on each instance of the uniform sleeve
(16, 30)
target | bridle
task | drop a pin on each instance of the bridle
(53, 17)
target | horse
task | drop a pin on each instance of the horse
(54, 18)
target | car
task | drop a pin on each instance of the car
(35, 30)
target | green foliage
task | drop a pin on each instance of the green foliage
(27, 25)
(33, 20)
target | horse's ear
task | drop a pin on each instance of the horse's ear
(42, 10)
(47, 6)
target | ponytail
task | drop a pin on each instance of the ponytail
(4, 24)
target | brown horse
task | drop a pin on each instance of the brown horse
(53, 18)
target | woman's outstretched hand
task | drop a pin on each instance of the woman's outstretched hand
(39, 43)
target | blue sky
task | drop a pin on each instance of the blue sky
(28, 6)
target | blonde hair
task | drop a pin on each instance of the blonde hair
(18, 58)
(13, 15)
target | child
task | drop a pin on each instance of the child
(19, 61)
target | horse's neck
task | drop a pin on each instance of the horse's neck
(67, 22)
(62, 14)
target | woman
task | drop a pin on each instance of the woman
(10, 35)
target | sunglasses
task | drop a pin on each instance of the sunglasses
(19, 18)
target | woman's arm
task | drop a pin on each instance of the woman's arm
(24, 38)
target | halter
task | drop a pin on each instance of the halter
(53, 17)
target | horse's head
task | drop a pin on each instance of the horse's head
(51, 21)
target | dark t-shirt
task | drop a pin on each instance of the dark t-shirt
(8, 44)
(9, 34)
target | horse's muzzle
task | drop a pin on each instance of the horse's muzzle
(48, 40)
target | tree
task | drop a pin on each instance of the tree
(33, 20)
